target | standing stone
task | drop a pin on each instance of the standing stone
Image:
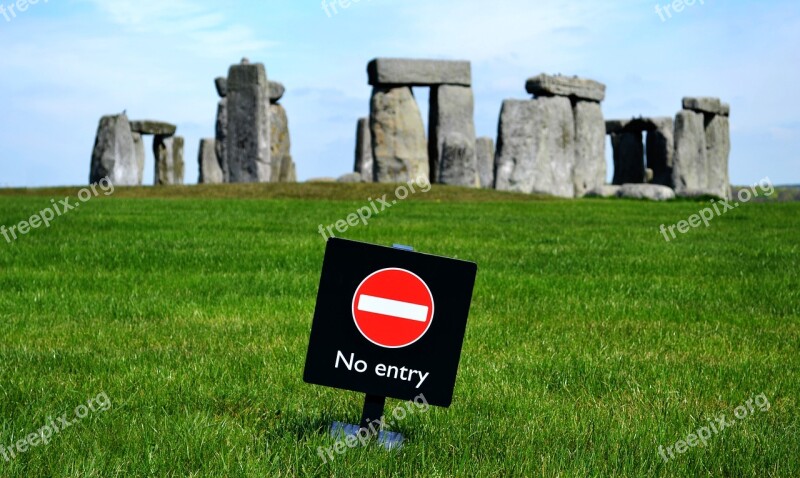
(451, 142)
(247, 142)
(168, 151)
(399, 146)
(114, 153)
(484, 150)
(221, 135)
(689, 167)
(364, 161)
(138, 146)
(536, 147)
(280, 142)
(210, 170)
(660, 146)
(590, 147)
(288, 170)
(628, 157)
(718, 149)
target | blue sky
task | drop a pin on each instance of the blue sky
(65, 63)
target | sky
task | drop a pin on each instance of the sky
(66, 63)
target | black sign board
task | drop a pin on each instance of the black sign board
(389, 322)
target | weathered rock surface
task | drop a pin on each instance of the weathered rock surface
(689, 172)
(399, 146)
(153, 127)
(451, 142)
(536, 147)
(484, 152)
(718, 149)
(408, 72)
(628, 157)
(288, 170)
(221, 134)
(276, 91)
(570, 86)
(590, 147)
(350, 178)
(709, 105)
(221, 83)
(114, 153)
(139, 151)
(168, 151)
(208, 164)
(604, 191)
(247, 142)
(654, 192)
(280, 142)
(364, 161)
(660, 148)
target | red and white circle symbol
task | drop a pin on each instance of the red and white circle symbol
(393, 308)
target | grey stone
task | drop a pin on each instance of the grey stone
(364, 160)
(689, 171)
(408, 72)
(604, 191)
(571, 86)
(221, 134)
(484, 151)
(590, 147)
(718, 149)
(628, 157)
(705, 105)
(398, 136)
(350, 178)
(451, 141)
(168, 151)
(288, 170)
(222, 86)
(536, 147)
(114, 153)
(153, 127)
(725, 109)
(653, 192)
(138, 146)
(660, 148)
(280, 142)
(247, 142)
(208, 164)
(276, 91)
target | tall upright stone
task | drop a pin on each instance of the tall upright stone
(247, 142)
(628, 148)
(484, 151)
(168, 151)
(208, 164)
(660, 148)
(114, 154)
(364, 160)
(536, 147)
(451, 142)
(139, 151)
(398, 135)
(280, 140)
(689, 172)
(590, 147)
(221, 137)
(718, 150)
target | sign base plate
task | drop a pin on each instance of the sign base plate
(389, 440)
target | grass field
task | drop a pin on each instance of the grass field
(591, 340)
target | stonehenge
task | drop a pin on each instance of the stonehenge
(251, 140)
(628, 143)
(555, 143)
(395, 148)
(119, 151)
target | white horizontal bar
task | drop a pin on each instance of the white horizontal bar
(394, 308)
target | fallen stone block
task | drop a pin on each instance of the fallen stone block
(653, 192)
(604, 191)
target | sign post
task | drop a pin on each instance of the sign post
(389, 322)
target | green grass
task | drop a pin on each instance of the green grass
(591, 341)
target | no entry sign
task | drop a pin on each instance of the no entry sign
(393, 308)
(389, 322)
